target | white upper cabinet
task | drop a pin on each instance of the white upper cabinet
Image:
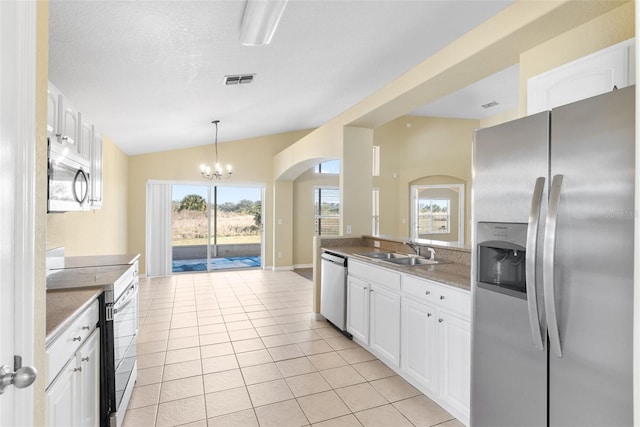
(70, 124)
(85, 139)
(95, 195)
(583, 78)
(53, 114)
(70, 130)
(63, 123)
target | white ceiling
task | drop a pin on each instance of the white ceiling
(467, 103)
(149, 73)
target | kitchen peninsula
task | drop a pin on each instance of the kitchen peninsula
(411, 312)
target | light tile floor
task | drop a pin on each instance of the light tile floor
(239, 348)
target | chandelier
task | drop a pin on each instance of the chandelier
(215, 171)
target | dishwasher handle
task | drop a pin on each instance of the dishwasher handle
(336, 259)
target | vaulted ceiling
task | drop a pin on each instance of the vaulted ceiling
(149, 74)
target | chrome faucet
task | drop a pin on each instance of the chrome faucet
(414, 246)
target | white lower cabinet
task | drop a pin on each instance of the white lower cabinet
(418, 327)
(61, 398)
(454, 339)
(358, 309)
(73, 397)
(373, 310)
(384, 326)
(419, 342)
(436, 339)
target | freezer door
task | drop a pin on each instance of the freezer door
(592, 148)
(508, 370)
(507, 160)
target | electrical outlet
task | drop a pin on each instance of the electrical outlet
(376, 244)
(348, 229)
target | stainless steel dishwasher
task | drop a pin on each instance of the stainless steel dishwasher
(333, 290)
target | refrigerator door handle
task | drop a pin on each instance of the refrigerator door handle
(548, 266)
(531, 262)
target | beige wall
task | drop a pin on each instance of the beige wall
(356, 180)
(252, 162)
(40, 301)
(429, 147)
(101, 231)
(303, 217)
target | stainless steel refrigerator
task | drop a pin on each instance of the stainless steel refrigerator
(552, 267)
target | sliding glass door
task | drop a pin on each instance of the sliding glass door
(236, 225)
(216, 227)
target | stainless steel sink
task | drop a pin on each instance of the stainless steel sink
(385, 255)
(412, 261)
(400, 259)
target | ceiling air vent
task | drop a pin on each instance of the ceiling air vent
(239, 79)
(490, 104)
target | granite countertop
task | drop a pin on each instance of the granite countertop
(99, 260)
(64, 305)
(454, 274)
(70, 290)
(85, 277)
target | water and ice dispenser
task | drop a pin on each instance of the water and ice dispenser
(501, 257)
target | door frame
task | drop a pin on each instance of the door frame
(210, 191)
(18, 135)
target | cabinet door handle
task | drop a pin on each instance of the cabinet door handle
(441, 296)
(440, 320)
(77, 339)
(427, 293)
(78, 369)
(86, 328)
(85, 359)
(428, 314)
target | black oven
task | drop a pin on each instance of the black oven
(119, 321)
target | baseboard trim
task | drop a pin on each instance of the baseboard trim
(295, 266)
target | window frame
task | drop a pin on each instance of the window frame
(317, 210)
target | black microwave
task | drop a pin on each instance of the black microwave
(68, 180)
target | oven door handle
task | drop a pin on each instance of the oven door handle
(126, 299)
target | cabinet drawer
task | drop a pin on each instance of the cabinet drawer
(372, 274)
(441, 295)
(63, 348)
